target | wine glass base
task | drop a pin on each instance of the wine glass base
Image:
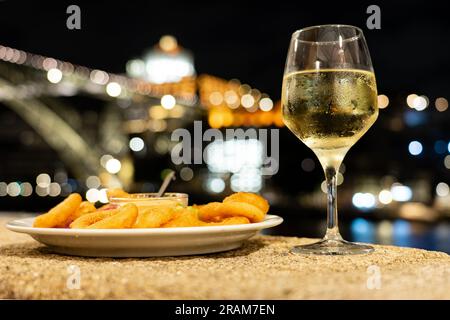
(332, 247)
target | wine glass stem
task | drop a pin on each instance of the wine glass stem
(332, 232)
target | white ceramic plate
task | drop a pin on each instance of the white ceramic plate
(143, 242)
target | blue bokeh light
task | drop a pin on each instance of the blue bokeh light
(415, 148)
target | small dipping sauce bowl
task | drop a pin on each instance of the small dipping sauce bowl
(152, 199)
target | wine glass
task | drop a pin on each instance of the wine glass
(329, 101)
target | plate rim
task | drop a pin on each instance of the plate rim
(269, 222)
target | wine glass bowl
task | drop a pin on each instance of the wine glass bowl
(329, 101)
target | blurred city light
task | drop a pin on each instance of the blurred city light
(186, 173)
(136, 144)
(54, 189)
(167, 63)
(323, 187)
(243, 158)
(420, 103)
(266, 104)
(308, 164)
(49, 63)
(13, 189)
(447, 161)
(384, 231)
(442, 189)
(232, 99)
(3, 189)
(26, 189)
(113, 89)
(104, 159)
(43, 180)
(113, 166)
(99, 77)
(385, 197)
(234, 155)
(136, 68)
(413, 119)
(216, 98)
(339, 178)
(410, 100)
(401, 193)
(41, 191)
(168, 43)
(247, 101)
(383, 101)
(216, 185)
(103, 196)
(168, 101)
(54, 75)
(92, 195)
(363, 200)
(440, 147)
(415, 148)
(92, 182)
(401, 228)
(441, 104)
(247, 180)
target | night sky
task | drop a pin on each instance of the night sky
(236, 39)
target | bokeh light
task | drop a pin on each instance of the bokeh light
(92, 195)
(186, 173)
(54, 75)
(13, 189)
(385, 197)
(113, 89)
(266, 104)
(363, 200)
(43, 180)
(442, 189)
(441, 104)
(410, 100)
(383, 101)
(93, 182)
(113, 166)
(420, 103)
(136, 144)
(415, 148)
(168, 101)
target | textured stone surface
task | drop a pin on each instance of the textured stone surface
(262, 269)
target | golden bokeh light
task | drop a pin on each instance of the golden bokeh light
(441, 104)
(168, 43)
(383, 101)
(410, 100)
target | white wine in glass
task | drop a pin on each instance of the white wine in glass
(329, 101)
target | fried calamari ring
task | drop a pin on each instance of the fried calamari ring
(58, 216)
(251, 198)
(117, 193)
(91, 218)
(210, 211)
(185, 217)
(189, 218)
(229, 221)
(84, 208)
(154, 216)
(215, 211)
(123, 219)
